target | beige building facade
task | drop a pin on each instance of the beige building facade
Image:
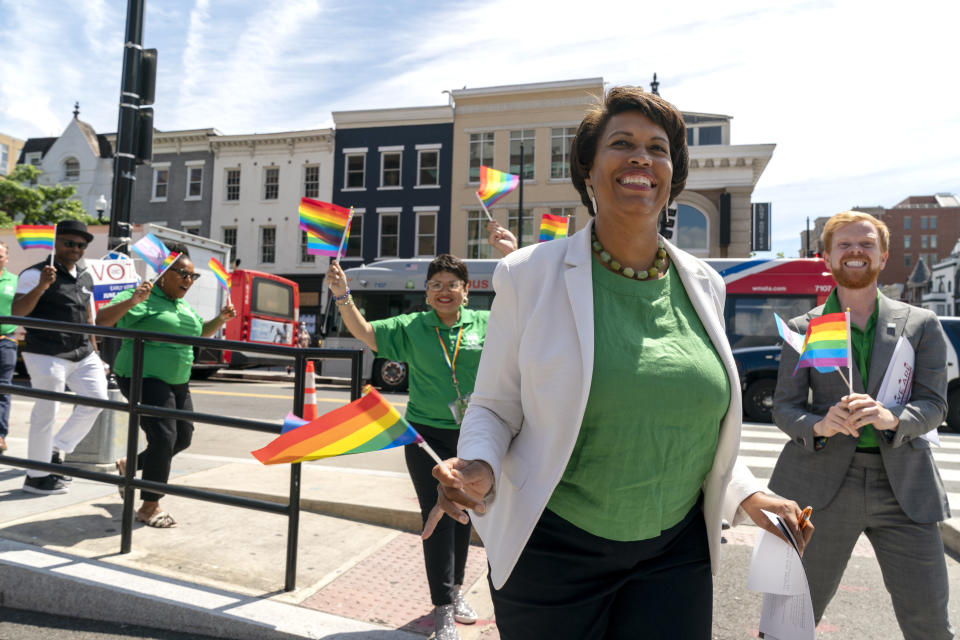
(9, 152)
(712, 216)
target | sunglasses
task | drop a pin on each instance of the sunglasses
(186, 275)
(73, 244)
(435, 285)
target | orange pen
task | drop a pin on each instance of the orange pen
(805, 517)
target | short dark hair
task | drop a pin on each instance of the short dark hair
(179, 247)
(448, 262)
(620, 100)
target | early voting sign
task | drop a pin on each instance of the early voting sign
(110, 277)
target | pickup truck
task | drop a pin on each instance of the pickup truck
(758, 377)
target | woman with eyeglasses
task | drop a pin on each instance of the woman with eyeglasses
(161, 308)
(441, 347)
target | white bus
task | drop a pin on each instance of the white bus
(385, 289)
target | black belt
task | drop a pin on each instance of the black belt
(868, 449)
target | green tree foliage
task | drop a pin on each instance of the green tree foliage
(25, 203)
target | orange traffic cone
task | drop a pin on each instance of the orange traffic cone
(309, 393)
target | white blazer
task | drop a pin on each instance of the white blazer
(534, 380)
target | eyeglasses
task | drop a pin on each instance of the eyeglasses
(436, 285)
(186, 275)
(73, 244)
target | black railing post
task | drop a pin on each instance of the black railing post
(133, 432)
(293, 518)
(356, 375)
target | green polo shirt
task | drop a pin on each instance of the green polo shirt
(861, 340)
(8, 287)
(412, 338)
(158, 313)
(658, 394)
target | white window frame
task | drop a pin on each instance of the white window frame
(533, 154)
(192, 226)
(261, 245)
(570, 211)
(191, 165)
(347, 153)
(428, 148)
(421, 212)
(700, 252)
(384, 212)
(483, 248)
(384, 152)
(226, 184)
(303, 180)
(66, 176)
(302, 256)
(483, 160)
(357, 213)
(263, 190)
(565, 148)
(233, 245)
(157, 168)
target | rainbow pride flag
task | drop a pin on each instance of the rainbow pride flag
(167, 262)
(495, 184)
(553, 227)
(35, 236)
(369, 423)
(220, 274)
(325, 220)
(827, 343)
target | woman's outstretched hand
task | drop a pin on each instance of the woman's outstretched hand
(463, 484)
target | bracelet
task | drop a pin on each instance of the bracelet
(344, 302)
(343, 297)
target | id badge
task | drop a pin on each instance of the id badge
(459, 407)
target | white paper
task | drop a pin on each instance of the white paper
(777, 571)
(898, 382)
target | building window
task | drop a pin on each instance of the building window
(229, 236)
(426, 235)
(560, 141)
(570, 214)
(933, 222)
(389, 235)
(160, 178)
(691, 228)
(390, 170)
(194, 183)
(529, 233)
(527, 138)
(481, 153)
(311, 181)
(906, 259)
(906, 242)
(271, 184)
(933, 241)
(71, 170)
(305, 258)
(923, 239)
(4, 158)
(477, 245)
(233, 184)
(709, 135)
(355, 243)
(923, 222)
(906, 223)
(268, 245)
(354, 170)
(192, 229)
(428, 167)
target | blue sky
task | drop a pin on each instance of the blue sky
(859, 96)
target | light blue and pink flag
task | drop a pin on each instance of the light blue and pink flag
(151, 250)
(789, 336)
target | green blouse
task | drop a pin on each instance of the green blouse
(658, 394)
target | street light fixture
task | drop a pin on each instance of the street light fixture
(101, 206)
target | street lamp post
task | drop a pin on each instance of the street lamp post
(101, 205)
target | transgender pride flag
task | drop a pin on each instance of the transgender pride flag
(151, 250)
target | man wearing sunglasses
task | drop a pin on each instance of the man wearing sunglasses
(55, 359)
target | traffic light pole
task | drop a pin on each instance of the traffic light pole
(124, 164)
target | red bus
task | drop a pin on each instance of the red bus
(268, 310)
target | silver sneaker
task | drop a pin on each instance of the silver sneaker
(462, 611)
(444, 625)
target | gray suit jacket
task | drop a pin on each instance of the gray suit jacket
(812, 476)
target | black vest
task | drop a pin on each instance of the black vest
(67, 300)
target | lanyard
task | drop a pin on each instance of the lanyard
(446, 354)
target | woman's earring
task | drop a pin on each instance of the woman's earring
(593, 200)
(466, 300)
(426, 300)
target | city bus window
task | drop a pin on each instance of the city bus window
(750, 320)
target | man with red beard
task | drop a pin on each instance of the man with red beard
(864, 467)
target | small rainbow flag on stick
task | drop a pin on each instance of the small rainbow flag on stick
(553, 227)
(220, 274)
(167, 263)
(827, 344)
(327, 222)
(369, 423)
(493, 186)
(35, 236)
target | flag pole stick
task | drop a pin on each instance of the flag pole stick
(845, 381)
(485, 210)
(849, 354)
(52, 253)
(165, 270)
(345, 232)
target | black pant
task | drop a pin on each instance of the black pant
(165, 437)
(571, 584)
(444, 552)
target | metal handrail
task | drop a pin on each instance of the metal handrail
(135, 409)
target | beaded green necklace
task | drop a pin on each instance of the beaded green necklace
(659, 264)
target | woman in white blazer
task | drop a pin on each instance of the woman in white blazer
(598, 452)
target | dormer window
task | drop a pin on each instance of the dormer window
(71, 170)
